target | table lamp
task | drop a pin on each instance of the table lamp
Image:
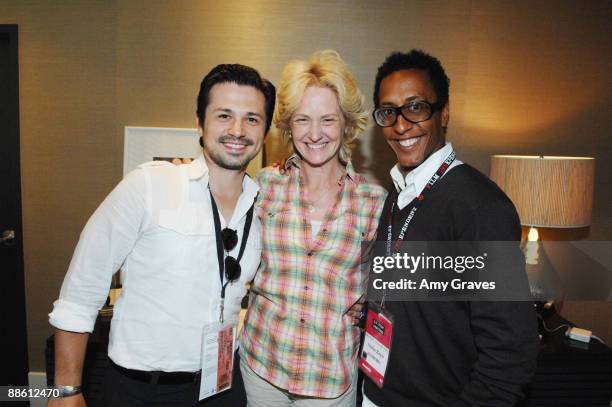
(548, 192)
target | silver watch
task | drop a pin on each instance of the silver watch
(67, 391)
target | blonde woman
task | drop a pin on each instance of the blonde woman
(299, 345)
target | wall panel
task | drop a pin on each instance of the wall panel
(526, 77)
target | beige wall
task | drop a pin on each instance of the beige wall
(530, 78)
(67, 75)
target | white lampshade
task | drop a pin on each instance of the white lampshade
(553, 192)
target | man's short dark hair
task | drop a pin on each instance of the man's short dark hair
(415, 59)
(240, 75)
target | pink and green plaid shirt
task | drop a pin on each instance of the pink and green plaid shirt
(296, 333)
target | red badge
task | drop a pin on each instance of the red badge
(377, 344)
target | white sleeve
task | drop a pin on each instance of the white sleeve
(106, 240)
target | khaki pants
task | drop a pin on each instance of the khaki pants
(260, 393)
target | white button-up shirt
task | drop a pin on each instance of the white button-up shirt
(157, 226)
(410, 186)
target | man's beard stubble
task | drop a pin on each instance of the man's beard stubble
(223, 162)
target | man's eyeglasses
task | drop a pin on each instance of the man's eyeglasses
(232, 266)
(414, 112)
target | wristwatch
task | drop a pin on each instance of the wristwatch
(67, 391)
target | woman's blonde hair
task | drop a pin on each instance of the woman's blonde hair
(326, 69)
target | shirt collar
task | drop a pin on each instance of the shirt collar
(294, 161)
(198, 169)
(418, 177)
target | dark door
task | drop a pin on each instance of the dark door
(14, 346)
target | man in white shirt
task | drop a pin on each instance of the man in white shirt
(162, 226)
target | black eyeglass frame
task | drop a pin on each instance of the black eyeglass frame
(433, 108)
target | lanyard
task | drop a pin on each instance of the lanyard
(419, 202)
(219, 241)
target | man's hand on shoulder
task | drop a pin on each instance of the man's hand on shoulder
(280, 165)
(179, 161)
(71, 401)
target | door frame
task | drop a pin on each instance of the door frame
(14, 352)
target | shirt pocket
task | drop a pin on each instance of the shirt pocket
(187, 221)
(185, 240)
(267, 209)
(276, 220)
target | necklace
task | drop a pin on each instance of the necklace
(312, 204)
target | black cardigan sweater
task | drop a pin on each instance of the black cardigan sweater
(458, 353)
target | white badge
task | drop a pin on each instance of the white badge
(218, 345)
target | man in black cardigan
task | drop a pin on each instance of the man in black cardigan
(452, 353)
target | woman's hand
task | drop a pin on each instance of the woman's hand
(357, 311)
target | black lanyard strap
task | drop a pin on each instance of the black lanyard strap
(418, 203)
(219, 240)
